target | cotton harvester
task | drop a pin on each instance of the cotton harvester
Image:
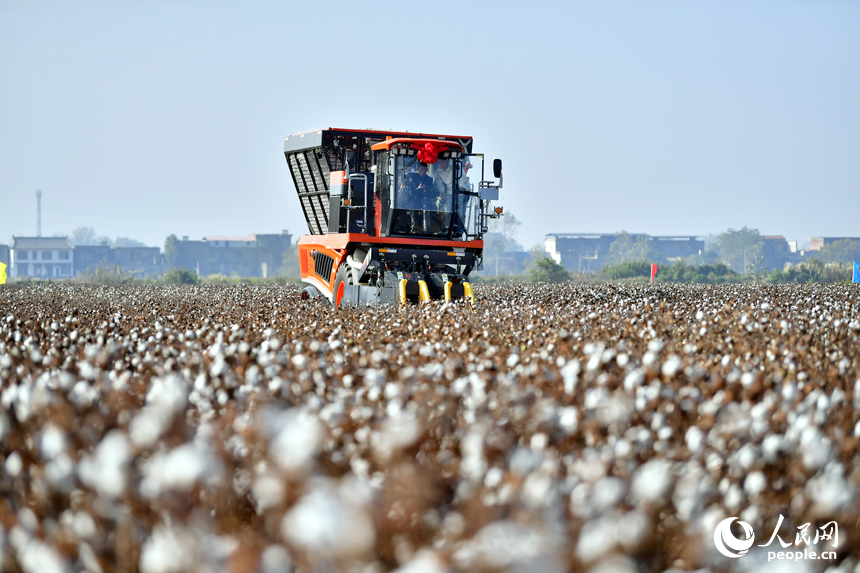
(392, 215)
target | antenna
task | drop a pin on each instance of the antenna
(38, 212)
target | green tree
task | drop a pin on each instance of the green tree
(495, 246)
(627, 269)
(507, 226)
(756, 267)
(738, 248)
(87, 236)
(843, 251)
(536, 253)
(126, 242)
(624, 249)
(547, 270)
(180, 276)
(171, 250)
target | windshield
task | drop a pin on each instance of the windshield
(435, 199)
(423, 196)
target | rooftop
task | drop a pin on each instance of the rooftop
(45, 243)
(250, 238)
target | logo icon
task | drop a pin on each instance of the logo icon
(728, 544)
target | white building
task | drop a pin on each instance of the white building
(42, 257)
(232, 242)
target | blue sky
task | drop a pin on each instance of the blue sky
(145, 119)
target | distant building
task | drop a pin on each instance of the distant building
(90, 257)
(586, 252)
(233, 255)
(140, 261)
(678, 247)
(777, 251)
(250, 256)
(499, 260)
(42, 257)
(193, 255)
(270, 252)
(4, 254)
(818, 243)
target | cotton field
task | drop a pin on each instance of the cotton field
(604, 428)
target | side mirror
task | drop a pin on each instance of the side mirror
(497, 168)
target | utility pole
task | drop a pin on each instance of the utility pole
(38, 212)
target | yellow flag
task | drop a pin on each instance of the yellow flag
(2, 273)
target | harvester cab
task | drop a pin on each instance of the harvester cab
(392, 216)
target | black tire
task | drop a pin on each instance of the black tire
(343, 276)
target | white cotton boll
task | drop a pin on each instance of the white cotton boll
(513, 360)
(105, 471)
(536, 490)
(815, 447)
(608, 492)
(473, 463)
(297, 441)
(614, 564)
(276, 559)
(747, 379)
(695, 439)
(325, 522)
(594, 397)
(755, 483)
(597, 538)
(568, 419)
(830, 492)
(375, 377)
(510, 546)
(39, 557)
(570, 374)
(789, 392)
(60, 472)
(83, 395)
(733, 498)
(651, 481)
(53, 442)
(671, 366)
(616, 410)
(168, 550)
(14, 464)
(493, 478)
(166, 397)
(424, 561)
(633, 528)
(622, 449)
(178, 470)
(397, 432)
(771, 446)
(633, 379)
(691, 490)
(27, 519)
(267, 491)
(84, 525)
(747, 456)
